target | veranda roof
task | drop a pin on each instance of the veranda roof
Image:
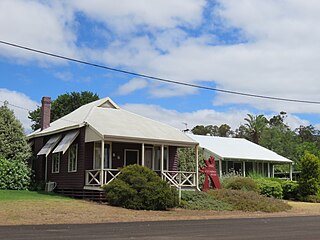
(237, 149)
(111, 122)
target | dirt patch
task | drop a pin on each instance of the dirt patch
(78, 211)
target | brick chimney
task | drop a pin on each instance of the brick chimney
(45, 112)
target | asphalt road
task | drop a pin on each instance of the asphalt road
(260, 228)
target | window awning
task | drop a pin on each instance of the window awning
(66, 142)
(46, 149)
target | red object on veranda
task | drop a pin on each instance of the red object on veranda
(210, 171)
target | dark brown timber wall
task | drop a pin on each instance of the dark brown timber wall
(65, 179)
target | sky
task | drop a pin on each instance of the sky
(264, 47)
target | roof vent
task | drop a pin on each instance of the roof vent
(109, 104)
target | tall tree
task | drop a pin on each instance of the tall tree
(13, 142)
(63, 105)
(255, 126)
(225, 131)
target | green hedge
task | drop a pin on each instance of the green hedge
(14, 175)
(269, 187)
(195, 200)
(309, 181)
(241, 183)
(290, 190)
(249, 201)
(140, 188)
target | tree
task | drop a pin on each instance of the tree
(200, 130)
(255, 126)
(310, 175)
(307, 133)
(224, 130)
(13, 142)
(63, 105)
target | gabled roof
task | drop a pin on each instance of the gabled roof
(110, 121)
(237, 148)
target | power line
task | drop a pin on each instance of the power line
(7, 103)
(26, 109)
(159, 78)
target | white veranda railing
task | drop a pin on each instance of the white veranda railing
(178, 179)
(94, 177)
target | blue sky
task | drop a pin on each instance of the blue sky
(261, 47)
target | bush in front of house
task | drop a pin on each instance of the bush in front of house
(14, 175)
(290, 190)
(241, 183)
(310, 175)
(195, 200)
(269, 187)
(249, 201)
(138, 187)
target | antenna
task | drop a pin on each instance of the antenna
(186, 127)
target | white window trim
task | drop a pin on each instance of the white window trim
(125, 155)
(76, 161)
(58, 159)
(94, 154)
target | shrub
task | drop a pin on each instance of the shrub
(311, 198)
(202, 201)
(269, 188)
(13, 142)
(241, 183)
(139, 187)
(290, 189)
(249, 201)
(14, 175)
(310, 175)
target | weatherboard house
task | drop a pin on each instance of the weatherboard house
(240, 156)
(85, 149)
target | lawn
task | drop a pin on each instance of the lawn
(12, 195)
(26, 207)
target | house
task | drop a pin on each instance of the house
(240, 156)
(85, 149)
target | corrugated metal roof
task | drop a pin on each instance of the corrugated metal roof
(237, 148)
(111, 121)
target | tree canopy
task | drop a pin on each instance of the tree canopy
(271, 133)
(13, 142)
(63, 105)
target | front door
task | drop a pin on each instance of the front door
(148, 156)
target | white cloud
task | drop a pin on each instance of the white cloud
(22, 103)
(36, 25)
(125, 16)
(177, 119)
(64, 76)
(234, 118)
(132, 85)
(279, 57)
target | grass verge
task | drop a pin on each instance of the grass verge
(23, 195)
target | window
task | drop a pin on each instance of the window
(131, 156)
(55, 162)
(97, 156)
(73, 158)
(157, 158)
